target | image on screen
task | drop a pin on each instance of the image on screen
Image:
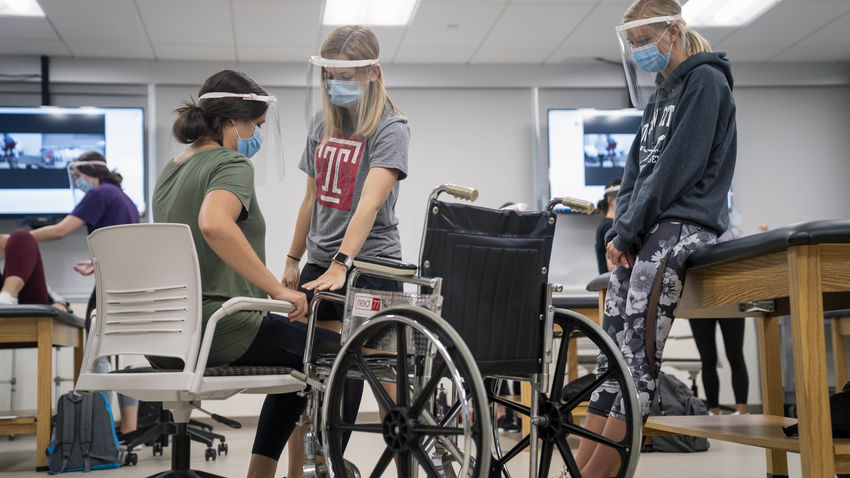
(588, 148)
(38, 144)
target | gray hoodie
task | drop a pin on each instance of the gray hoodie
(681, 163)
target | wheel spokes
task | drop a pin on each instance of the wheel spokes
(429, 388)
(375, 384)
(364, 428)
(425, 462)
(385, 459)
(402, 397)
(585, 433)
(590, 388)
(568, 457)
(436, 430)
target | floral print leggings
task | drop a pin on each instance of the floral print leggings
(639, 311)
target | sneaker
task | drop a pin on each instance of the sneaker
(7, 299)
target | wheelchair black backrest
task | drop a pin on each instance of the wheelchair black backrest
(494, 265)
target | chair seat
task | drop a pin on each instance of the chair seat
(150, 384)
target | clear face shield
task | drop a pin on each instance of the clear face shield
(265, 145)
(80, 184)
(337, 83)
(645, 48)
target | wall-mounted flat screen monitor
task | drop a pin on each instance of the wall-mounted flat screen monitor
(38, 143)
(588, 148)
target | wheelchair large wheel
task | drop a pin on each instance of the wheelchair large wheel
(558, 426)
(420, 433)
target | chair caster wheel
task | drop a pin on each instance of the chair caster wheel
(131, 459)
(210, 454)
(157, 449)
(222, 448)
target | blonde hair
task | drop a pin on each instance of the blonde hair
(356, 42)
(692, 42)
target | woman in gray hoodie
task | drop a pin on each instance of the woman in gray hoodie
(672, 202)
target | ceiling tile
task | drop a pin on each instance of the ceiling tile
(109, 49)
(95, 20)
(188, 22)
(412, 54)
(17, 46)
(595, 36)
(750, 54)
(263, 22)
(451, 24)
(178, 51)
(510, 55)
(836, 33)
(294, 54)
(25, 28)
(535, 25)
(786, 24)
(813, 53)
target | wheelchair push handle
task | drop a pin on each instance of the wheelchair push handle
(578, 205)
(460, 192)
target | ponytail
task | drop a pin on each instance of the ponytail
(191, 124)
(694, 42)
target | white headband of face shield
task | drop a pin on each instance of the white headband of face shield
(245, 96)
(328, 63)
(648, 21)
(74, 164)
(612, 189)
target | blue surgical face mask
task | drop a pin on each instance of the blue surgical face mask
(83, 184)
(344, 94)
(249, 146)
(649, 59)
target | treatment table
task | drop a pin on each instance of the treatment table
(43, 327)
(801, 270)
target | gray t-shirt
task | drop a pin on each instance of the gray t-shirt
(340, 167)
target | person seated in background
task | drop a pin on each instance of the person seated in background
(22, 281)
(607, 205)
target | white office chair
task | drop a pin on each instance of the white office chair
(149, 303)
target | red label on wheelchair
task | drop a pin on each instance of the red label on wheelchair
(366, 305)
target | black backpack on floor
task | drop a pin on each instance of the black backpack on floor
(83, 434)
(674, 398)
(839, 411)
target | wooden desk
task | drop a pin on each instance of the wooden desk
(41, 327)
(804, 280)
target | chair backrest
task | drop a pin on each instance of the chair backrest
(495, 267)
(148, 290)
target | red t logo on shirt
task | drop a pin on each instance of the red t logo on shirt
(336, 170)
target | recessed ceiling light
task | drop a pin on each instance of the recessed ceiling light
(20, 8)
(725, 13)
(369, 12)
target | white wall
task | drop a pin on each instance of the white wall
(792, 161)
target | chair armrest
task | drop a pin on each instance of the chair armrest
(385, 266)
(251, 303)
(599, 283)
(233, 305)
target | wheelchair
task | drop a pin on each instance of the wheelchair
(478, 305)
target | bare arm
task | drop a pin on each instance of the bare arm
(57, 231)
(376, 189)
(217, 221)
(299, 238)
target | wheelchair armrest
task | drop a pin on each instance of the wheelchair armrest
(385, 266)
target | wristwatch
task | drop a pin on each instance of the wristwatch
(341, 258)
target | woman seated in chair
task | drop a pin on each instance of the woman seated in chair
(210, 187)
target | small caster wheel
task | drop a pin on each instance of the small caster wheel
(11, 437)
(222, 448)
(131, 459)
(209, 454)
(157, 449)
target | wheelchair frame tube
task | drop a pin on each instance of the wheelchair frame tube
(318, 298)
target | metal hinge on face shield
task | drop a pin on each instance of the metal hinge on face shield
(767, 305)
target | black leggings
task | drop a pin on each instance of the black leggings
(280, 342)
(733, 342)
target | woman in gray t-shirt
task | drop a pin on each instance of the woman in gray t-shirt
(355, 156)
